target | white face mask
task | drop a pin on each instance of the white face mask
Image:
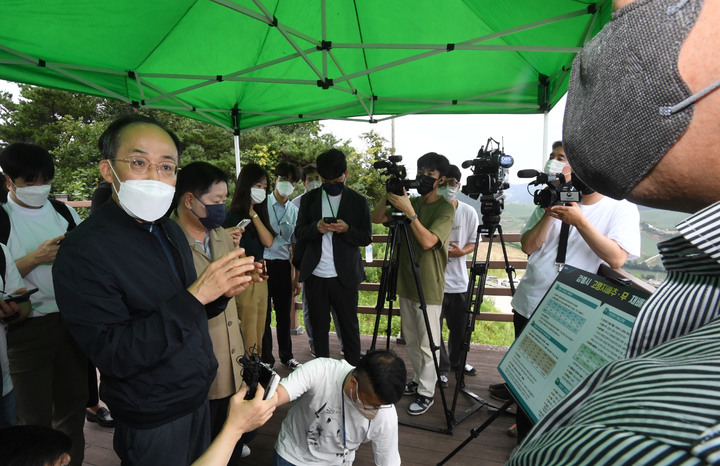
(554, 167)
(257, 195)
(284, 188)
(33, 196)
(147, 200)
(448, 192)
(367, 413)
(314, 184)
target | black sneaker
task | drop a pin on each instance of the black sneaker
(410, 388)
(497, 386)
(501, 394)
(420, 405)
(292, 364)
(469, 370)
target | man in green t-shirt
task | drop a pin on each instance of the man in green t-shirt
(431, 219)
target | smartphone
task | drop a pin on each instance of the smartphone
(244, 222)
(269, 380)
(20, 298)
(330, 219)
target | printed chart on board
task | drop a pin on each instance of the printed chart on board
(583, 322)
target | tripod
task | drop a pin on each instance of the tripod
(490, 225)
(387, 292)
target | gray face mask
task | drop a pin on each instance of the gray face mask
(627, 104)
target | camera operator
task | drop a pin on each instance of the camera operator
(601, 230)
(431, 218)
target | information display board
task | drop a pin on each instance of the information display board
(583, 322)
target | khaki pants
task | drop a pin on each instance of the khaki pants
(418, 344)
(49, 372)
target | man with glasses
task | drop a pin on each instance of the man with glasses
(462, 243)
(128, 292)
(338, 407)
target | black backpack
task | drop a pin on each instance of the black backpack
(59, 207)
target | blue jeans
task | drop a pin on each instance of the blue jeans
(280, 461)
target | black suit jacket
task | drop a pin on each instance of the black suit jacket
(354, 211)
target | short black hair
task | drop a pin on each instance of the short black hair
(454, 172)
(433, 161)
(109, 141)
(556, 144)
(32, 445)
(197, 178)
(307, 171)
(386, 373)
(27, 161)
(288, 170)
(331, 164)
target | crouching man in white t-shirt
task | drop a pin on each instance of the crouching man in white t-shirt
(338, 407)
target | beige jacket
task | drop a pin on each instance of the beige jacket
(224, 328)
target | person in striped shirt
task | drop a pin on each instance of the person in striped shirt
(648, 80)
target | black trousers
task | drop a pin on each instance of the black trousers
(523, 421)
(323, 293)
(280, 297)
(453, 310)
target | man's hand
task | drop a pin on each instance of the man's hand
(401, 203)
(297, 288)
(323, 227)
(47, 250)
(570, 214)
(227, 276)
(338, 227)
(454, 250)
(8, 309)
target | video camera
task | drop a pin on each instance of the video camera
(557, 191)
(397, 174)
(490, 171)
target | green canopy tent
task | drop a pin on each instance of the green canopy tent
(246, 64)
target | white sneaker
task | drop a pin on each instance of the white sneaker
(292, 364)
(245, 452)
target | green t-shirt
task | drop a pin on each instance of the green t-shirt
(438, 218)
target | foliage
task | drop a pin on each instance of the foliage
(69, 124)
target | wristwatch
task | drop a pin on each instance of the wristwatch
(254, 216)
(412, 218)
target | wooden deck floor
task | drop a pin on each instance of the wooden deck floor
(417, 446)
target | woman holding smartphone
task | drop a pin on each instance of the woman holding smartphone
(250, 202)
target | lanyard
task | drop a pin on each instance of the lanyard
(332, 211)
(278, 220)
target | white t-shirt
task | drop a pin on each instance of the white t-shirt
(29, 228)
(326, 266)
(464, 231)
(617, 220)
(13, 282)
(312, 432)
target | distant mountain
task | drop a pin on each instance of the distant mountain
(655, 225)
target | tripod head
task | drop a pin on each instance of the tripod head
(491, 207)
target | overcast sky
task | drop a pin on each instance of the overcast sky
(458, 137)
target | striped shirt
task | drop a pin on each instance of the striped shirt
(690, 296)
(660, 408)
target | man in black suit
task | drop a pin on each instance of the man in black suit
(333, 223)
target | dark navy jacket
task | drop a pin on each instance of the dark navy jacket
(131, 313)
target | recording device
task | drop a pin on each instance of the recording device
(256, 372)
(244, 222)
(397, 174)
(330, 219)
(557, 191)
(23, 313)
(490, 171)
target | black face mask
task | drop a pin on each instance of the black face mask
(580, 185)
(334, 189)
(427, 184)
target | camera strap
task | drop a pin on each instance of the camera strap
(562, 245)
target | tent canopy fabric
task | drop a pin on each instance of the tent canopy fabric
(245, 64)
